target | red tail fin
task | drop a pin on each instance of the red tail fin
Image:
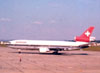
(85, 37)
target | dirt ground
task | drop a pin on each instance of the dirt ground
(33, 62)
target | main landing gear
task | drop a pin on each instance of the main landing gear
(55, 52)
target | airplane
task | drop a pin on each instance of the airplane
(43, 46)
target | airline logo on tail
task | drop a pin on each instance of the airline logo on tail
(87, 33)
(85, 37)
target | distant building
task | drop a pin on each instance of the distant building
(95, 43)
(4, 42)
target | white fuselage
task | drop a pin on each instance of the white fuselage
(47, 43)
(45, 46)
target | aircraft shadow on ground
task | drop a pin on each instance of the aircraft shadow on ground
(51, 53)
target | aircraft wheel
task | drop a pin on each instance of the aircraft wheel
(55, 52)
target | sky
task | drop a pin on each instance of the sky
(48, 19)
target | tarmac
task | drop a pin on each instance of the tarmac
(34, 62)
